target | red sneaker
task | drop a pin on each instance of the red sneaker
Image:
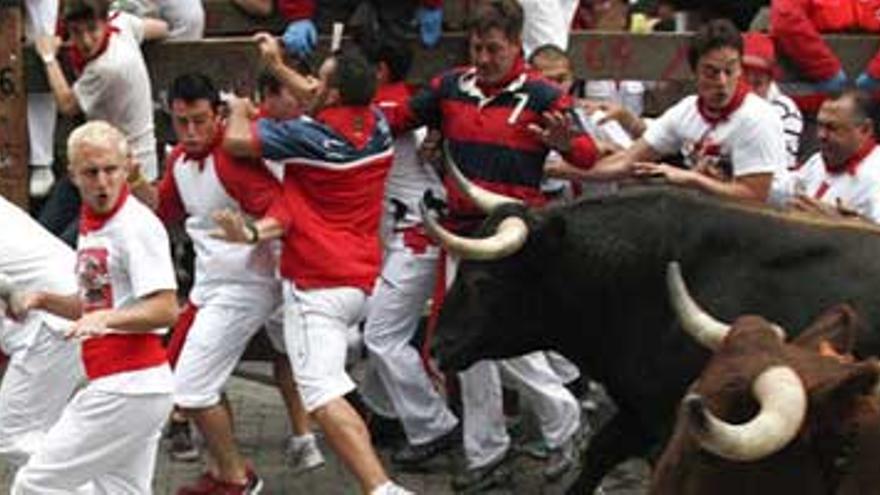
(207, 484)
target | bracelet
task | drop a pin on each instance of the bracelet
(255, 233)
(48, 59)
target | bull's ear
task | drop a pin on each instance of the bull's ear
(838, 327)
(850, 380)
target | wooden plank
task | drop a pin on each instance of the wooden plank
(223, 18)
(596, 55)
(13, 107)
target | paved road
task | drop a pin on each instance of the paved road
(262, 428)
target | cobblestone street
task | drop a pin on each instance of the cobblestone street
(262, 428)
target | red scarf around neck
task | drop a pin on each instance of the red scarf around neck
(851, 164)
(714, 117)
(91, 220)
(79, 60)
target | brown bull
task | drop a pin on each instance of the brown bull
(768, 416)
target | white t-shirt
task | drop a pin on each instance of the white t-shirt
(115, 87)
(792, 121)
(126, 259)
(858, 191)
(226, 273)
(36, 261)
(749, 141)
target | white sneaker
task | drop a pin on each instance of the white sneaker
(41, 181)
(390, 488)
(303, 453)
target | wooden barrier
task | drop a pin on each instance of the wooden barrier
(233, 62)
(223, 18)
(13, 106)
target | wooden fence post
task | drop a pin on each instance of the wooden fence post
(13, 106)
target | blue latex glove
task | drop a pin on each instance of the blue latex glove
(867, 83)
(300, 37)
(430, 25)
(832, 85)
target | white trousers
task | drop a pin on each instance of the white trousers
(316, 324)
(214, 344)
(106, 439)
(186, 18)
(396, 306)
(42, 114)
(485, 433)
(39, 381)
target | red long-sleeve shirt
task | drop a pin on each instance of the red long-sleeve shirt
(796, 27)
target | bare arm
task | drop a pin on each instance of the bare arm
(234, 228)
(753, 187)
(238, 139)
(155, 29)
(303, 87)
(65, 306)
(153, 311)
(619, 165)
(47, 48)
(142, 188)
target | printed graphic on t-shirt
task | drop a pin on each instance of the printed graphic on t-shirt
(708, 156)
(93, 274)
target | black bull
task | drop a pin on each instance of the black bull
(589, 283)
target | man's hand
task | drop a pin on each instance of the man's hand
(802, 202)
(300, 38)
(557, 132)
(93, 324)
(630, 122)
(241, 106)
(16, 302)
(270, 49)
(231, 227)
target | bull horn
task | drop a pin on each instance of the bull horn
(783, 401)
(509, 237)
(700, 324)
(485, 200)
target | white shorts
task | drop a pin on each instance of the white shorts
(316, 325)
(105, 438)
(213, 347)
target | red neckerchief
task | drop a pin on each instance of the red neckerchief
(90, 220)
(714, 117)
(489, 89)
(396, 93)
(356, 124)
(200, 157)
(79, 60)
(851, 164)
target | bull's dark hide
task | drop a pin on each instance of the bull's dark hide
(590, 283)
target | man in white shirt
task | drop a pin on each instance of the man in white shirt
(843, 177)
(731, 139)
(759, 62)
(43, 368)
(112, 80)
(108, 433)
